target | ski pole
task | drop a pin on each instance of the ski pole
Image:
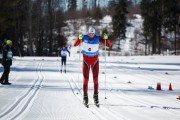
(79, 57)
(80, 38)
(105, 70)
(105, 38)
(79, 51)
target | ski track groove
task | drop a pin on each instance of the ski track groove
(21, 105)
(24, 101)
(155, 75)
(92, 109)
(140, 71)
(96, 111)
(159, 78)
(75, 91)
(143, 103)
(105, 110)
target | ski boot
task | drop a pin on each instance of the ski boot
(6, 83)
(96, 100)
(1, 81)
(85, 100)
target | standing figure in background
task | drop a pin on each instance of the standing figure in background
(63, 54)
(90, 51)
(6, 62)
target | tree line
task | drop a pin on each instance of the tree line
(161, 18)
(35, 25)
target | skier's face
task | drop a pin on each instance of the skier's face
(91, 35)
(10, 45)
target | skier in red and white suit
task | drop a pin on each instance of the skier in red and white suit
(90, 51)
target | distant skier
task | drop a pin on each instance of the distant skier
(90, 51)
(6, 62)
(63, 53)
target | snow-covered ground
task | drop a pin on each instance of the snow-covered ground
(39, 91)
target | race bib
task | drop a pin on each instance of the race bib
(63, 53)
(9, 54)
(90, 49)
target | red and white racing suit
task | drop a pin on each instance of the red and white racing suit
(90, 49)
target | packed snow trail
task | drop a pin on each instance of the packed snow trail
(40, 91)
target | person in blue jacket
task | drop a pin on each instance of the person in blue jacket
(63, 54)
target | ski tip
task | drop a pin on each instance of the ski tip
(97, 105)
(86, 105)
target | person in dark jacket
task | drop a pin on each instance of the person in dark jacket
(63, 53)
(6, 62)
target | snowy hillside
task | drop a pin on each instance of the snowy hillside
(129, 46)
(39, 91)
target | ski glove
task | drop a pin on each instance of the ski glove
(80, 37)
(105, 36)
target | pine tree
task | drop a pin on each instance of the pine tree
(12, 17)
(171, 14)
(119, 20)
(152, 13)
(158, 16)
(7, 14)
(145, 9)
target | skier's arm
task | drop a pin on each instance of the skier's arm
(5, 51)
(4, 57)
(78, 40)
(68, 52)
(59, 53)
(102, 41)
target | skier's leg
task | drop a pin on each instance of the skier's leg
(95, 70)
(85, 99)
(4, 74)
(61, 63)
(65, 64)
(7, 74)
(85, 69)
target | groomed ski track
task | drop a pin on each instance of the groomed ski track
(40, 91)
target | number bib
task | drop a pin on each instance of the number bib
(9, 54)
(63, 53)
(90, 47)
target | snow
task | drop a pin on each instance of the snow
(106, 19)
(40, 91)
(128, 45)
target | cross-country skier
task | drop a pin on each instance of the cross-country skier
(90, 50)
(63, 53)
